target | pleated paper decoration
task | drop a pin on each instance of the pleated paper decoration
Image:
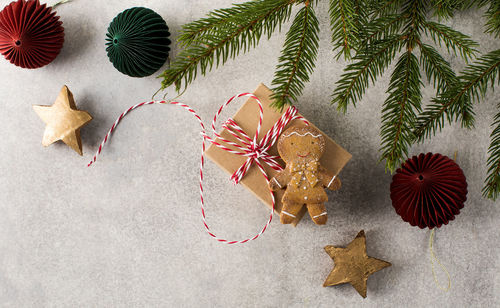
(138, 42)
(428, 190)
(31, 34)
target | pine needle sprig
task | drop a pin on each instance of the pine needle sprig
(457, 101)
(297, 60)
(493, 18)
(455, 41)
(445, 9)
(440, 74)
(491, 189)
(379, 8)
(219, 18)
(400, 110)
(480, 76)
(346, 19)
(367, 66)
(437, 70)
(193, 30)
(404, 102)
(236, 35)
(381, 28)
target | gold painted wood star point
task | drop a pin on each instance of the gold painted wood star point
(353, 265)
(63, 121)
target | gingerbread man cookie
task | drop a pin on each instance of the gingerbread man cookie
(303, 177)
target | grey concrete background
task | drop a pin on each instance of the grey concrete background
(128, 232)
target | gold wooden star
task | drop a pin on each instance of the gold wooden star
(352, 265)
(63, 121)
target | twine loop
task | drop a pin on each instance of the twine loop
(255, 149)
(435, 259)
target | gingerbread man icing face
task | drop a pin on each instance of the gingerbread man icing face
(301, 144)
(304, 179)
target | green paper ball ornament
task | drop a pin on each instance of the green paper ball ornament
(137, 42)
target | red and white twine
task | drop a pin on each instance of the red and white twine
(252, 148)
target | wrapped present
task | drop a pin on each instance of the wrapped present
(247, 119)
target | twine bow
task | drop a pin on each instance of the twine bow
(256, 151)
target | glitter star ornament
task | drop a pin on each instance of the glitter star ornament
(353, 265)
(63, 121)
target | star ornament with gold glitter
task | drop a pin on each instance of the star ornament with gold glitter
(352, 265)
(63, 121)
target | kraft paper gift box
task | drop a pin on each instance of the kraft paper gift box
(247, 117)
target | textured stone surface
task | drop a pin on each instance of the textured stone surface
(127, 232)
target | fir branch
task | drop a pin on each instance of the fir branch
(437, 70)
(380, 28)
(478, 77)
(368, 65)
(457, 101)
(215, 47)
(454, 41)
(220, 18)
(405, 98)
(493, 18)
(399, 112)
(384, 7)
(193, 30)
(445, 8)
(297, 58)
(346, 17)
(491, 189)
(467, 4)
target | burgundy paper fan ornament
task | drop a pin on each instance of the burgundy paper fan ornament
(428, 190)
(31, 35)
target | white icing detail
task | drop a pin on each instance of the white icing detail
(302, 135)
(304, 187)
(333, 179)
(322, 214)
(286, 213)
(305, 198)
(276, 181)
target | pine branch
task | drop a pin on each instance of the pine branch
(467, 4)
(368, 65)
(238, 35)
(437, 70)
(193, 30)
(384, 7)
(480, 76)
(220, 18)
(457, 101)
(493, 18)
(405, 98)
(454, 41)
(380, 28)
(346, 18)
(399, 112)
(297, 58)
(445, 9)
(491, 189)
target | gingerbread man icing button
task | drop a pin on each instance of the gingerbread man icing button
(303, 179)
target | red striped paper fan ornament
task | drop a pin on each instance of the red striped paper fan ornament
(428, 190)
(31, 35)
